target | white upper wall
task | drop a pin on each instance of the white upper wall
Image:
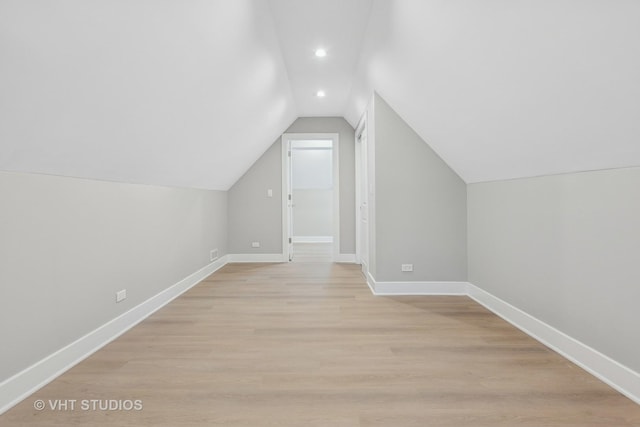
(505, 89)
(179, 93)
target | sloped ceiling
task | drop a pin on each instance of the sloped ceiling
(180, 93)
(510, 88)
(189, 93)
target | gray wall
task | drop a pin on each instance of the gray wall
(67, 245)
(420, 203)
(565, 249)
(254, 217)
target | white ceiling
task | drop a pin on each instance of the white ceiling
(335, 25)
(179, 93)
(191, 93)
(510, 88)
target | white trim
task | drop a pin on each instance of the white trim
(257, 258)
(312, 239)
(275, 258)
(365, 269)
(420, 288)
(371, 282)
(360, 129)
(286, 142)
(335, 165)
(618, 376)
(286, 246)
(346, 259)
(416, 288)
(25, 383)
(371, 181)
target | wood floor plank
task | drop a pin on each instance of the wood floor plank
(308, 345)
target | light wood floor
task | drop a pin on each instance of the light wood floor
(308, 345)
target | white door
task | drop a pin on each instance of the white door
(363, 209)
(293, 201)
(289, 201)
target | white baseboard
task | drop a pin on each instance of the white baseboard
(420, 288)
(312, 239)
(618, 376)
(416, 288)
(371, 282)
(346, 258)
(24, 383)
(256, 258)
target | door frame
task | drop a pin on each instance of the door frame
(360, 128)
(286, 188)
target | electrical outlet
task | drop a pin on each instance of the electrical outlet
(407, 267)
(255, 244)
(121, 295)
(213, 255)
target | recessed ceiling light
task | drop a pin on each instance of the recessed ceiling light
(320, 94)
(321, 53)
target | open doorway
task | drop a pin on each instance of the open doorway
(311, 221)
